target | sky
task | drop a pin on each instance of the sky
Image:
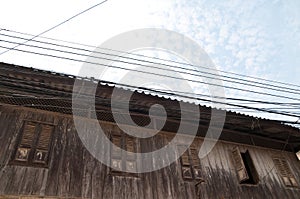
(259, 38)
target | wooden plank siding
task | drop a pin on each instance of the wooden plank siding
(74, 173)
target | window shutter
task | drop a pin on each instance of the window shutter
(33, 148)
(121, 160)
(195, 157)
(131, 166)
(185, 159)
(116, 164)
(285, 172)
(196, 163)
(42, 147)
(185, 164)
(186, 172)
(28, 135)
(130, 144)
(45, 137)
(293, 181)
(239, 165)
(116, 158)
(116, 148)
(130, 147)
(26, 143)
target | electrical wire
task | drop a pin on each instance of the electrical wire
(218, 102)
(103, 99)
(6, 80)
(31, 105)
(296, 105)
(256, 84)
(140, 71)
(165, 90)
(156, 58)
(156, 90)
(236, 116)
(53, 27)
(209, 96)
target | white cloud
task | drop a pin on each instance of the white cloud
(258, 38)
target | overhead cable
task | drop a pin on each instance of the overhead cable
(161, 59)
(53, 27)
(140, 71)
(190, 70)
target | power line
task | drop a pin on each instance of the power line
(140, 71)
(131, 113)
(297, 105)
(12, 95)
(156, 58)
(230, 116)
(61, 23)
(292, 108)
(277, 88)
(217, 102)
(173, 66)
(254, 101)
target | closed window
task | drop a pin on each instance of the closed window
(190, 164)
(34, 143)
(245, 168)
(285, 172)
(126, 159)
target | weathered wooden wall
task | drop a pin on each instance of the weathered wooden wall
(74, 173)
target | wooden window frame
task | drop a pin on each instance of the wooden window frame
(245, 168)
(37, 148)
(122, 158)
(298, 155)
(285, 172)
(190, 162)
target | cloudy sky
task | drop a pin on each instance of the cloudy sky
(258, 37)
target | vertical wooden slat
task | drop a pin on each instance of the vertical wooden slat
(56, 161)
(239, 165)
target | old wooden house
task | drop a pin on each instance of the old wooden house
(42, 156)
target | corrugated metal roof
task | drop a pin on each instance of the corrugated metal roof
(36, 85)
(140, 90)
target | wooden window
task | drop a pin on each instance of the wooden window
(196, 164)
(190, 164)
(246, 171)
(285, 172)
(298, 155)
(123, 160)
(34, 143)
